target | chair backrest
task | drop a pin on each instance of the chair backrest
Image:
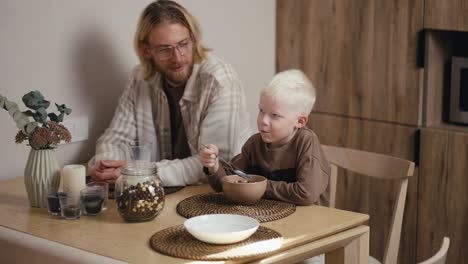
(377, 166)
(441, 255)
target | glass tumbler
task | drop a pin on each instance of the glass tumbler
(105, 188)
(138, 152)
(70, 204)
(53, 203)
(92, 200)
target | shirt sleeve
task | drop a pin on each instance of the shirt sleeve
(312, 173)
(225, 124)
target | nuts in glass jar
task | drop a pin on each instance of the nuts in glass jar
(141, 202)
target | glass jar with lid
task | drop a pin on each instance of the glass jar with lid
(138, 192)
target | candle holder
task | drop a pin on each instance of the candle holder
(105, 188)
(53, 203)
(70, 205)
(92, 200)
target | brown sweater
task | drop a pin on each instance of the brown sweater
(297, 172)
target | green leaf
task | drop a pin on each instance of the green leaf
(16, 115)
(30, 127)
(9, 104)
(28, 113)
(21, 122)
(63, 109)
(53, 117)
(35, 100)
(40, 116)
(13, 109)
(2, 101)
(60, 117)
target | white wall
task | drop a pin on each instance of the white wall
(81, 52)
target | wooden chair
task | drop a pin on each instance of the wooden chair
(377, 166)
(441, 255)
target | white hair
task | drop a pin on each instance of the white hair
(293, 87)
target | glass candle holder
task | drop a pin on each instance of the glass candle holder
(104, 186)
(70, 205)
(53, 203)
(92, 199)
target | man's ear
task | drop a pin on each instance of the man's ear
(302, 121)
(192, 38)
(145, 48)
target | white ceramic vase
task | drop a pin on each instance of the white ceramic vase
(41, 171)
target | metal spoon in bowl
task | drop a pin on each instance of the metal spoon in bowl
(240, 173)
(236, 171)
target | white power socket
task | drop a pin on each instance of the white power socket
(78, 127)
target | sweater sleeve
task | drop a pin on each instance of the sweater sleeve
(240, 161)
(312, 174)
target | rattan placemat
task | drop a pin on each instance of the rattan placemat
(173, 189)
(215, 203)
(177, 242)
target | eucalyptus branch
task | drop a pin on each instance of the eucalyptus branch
(21, 119)
(44, 131)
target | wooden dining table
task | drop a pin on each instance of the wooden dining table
(309, 231)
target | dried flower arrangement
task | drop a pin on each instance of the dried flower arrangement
(44, 132)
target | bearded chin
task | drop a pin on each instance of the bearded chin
(180, 77)
(176, 78)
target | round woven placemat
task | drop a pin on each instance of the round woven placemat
(177, 242)
(169, 190)
(215, 203)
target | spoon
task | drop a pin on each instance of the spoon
(236, 171)
(241, 173)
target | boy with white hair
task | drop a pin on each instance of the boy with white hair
(285, 151)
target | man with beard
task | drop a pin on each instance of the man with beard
(178, 98)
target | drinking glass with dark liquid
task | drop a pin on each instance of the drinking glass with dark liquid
(53, 203)
(70, 205)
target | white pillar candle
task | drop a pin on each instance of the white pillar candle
(73, 178)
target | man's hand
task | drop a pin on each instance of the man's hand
(107, 170)
(209, 157)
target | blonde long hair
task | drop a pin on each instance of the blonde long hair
(166, 11)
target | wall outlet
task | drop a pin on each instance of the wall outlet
(78, 127)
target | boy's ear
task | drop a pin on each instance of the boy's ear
(302, 120)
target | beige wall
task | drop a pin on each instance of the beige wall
(80, 53)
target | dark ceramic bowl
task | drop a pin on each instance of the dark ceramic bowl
(242, 191)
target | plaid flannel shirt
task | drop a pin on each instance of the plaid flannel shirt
(213, 110)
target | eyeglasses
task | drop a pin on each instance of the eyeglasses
(165, 52)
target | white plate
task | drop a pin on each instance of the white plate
(221, 228)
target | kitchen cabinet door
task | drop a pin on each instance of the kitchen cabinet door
(443, 194)
(446, 15)
(361, 55)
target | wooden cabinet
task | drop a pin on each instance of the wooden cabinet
(440, 47)
(443, 194)
(360, 54)
(446, 14)
(363, 194)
